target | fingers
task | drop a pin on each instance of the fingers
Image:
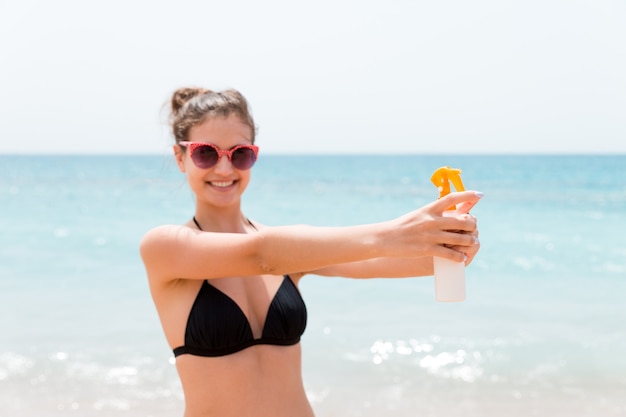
(462, 242)
(464, 223)
(471, 252)
(465, 199)
(458, 220)
(458, 240)
(465, 207)
(449, 253)
(460, 253)
(431, 232)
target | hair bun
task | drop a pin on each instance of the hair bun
(183, 95)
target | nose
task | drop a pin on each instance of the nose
(223, 166)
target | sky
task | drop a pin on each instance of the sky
(324, 76)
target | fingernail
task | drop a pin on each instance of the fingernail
(476, 241)
(465, 258)
(479, 194)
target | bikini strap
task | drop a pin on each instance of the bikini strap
(199, 228)
(252, 224)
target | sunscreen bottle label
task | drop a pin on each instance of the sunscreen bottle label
(449, 280)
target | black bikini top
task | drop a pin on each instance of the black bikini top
(217, 326)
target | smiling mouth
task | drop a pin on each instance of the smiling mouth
(221, 184)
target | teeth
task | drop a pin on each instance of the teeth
(222, 183)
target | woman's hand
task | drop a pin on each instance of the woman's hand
(470, 251)
(434, 231)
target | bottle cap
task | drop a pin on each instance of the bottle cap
(442, 178)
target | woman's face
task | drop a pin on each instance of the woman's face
(221, 185)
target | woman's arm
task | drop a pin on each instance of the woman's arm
(391, 267)
(378, 268)
(175, 252)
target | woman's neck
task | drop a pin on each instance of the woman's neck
(221, 220)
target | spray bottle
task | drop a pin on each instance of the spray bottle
(449, 275)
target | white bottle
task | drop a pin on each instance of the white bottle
(449, 277)
(449, 280)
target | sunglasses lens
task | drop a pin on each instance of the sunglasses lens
(204, 156)
(243, 158)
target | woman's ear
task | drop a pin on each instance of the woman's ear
(179, 154)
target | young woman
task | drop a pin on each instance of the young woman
(225, 286)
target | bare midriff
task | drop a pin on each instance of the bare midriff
(260, 381)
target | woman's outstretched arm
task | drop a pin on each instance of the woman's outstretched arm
(392, 267)
(178, 252)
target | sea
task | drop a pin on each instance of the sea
(542, 331)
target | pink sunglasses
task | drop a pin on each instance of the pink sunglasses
(206, 155)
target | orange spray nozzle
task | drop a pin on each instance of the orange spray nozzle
(442, 178)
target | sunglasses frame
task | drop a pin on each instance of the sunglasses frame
(220, 152)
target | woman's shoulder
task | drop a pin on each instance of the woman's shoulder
(162, 238)
(160, 247)
(164, 232)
